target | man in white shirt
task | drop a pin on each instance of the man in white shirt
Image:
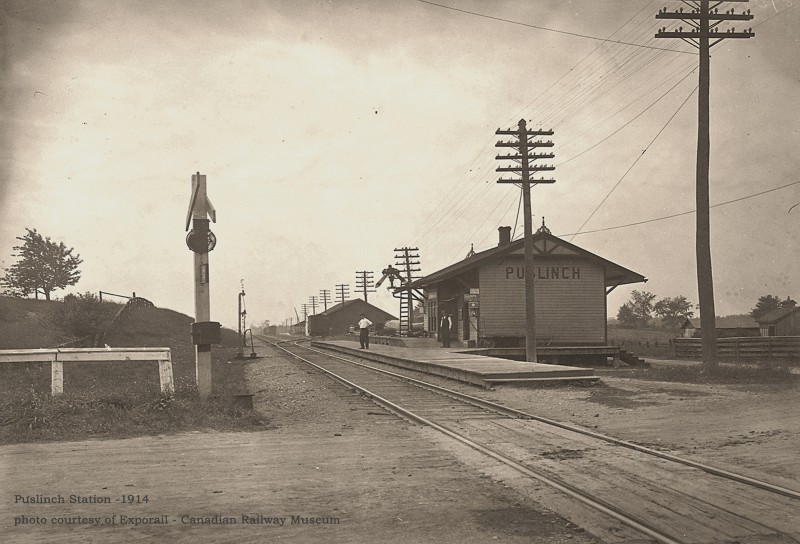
(363, 331)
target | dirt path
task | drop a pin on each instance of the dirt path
(335, 468)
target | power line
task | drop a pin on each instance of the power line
(657, 100)
(552, 29)
(476, 192)
(683, 213)
(568, 72)
(635, 162)
(773, 16)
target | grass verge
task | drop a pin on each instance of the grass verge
(725, 373)
(120, 400)
(118, 413)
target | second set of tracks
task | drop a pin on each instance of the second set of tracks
(653, 494)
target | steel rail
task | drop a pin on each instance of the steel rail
(593, 502)
(518, 414)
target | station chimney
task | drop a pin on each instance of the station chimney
(505, 236)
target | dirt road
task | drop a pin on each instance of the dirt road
(334, 468)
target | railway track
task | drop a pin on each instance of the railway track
(661, 497)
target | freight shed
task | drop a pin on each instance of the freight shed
(485, 293)
(338, 319)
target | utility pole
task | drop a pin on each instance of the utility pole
(325, 297)
(313, 302)
(242, 323)
(407, 259)
(364, 283)
(524, 159)
(305, 312)
(201, 240)
(704, 21)
(342, 292)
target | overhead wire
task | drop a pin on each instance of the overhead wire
(538, 27)
(681, 70)
(440, 218)
(671, 216)
(638, 158)
(571, 72)
(656, 101)
(465, 202)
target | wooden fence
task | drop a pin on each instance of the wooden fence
(58, 356)
(745, 347)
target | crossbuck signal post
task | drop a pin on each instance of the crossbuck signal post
(703, 32)
(524, 143)
(365, 283)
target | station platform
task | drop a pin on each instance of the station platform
(454, 363)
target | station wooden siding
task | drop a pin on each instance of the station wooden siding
(570, 300)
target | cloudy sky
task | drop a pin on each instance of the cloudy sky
(333, 132)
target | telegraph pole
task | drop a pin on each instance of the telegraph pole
(342, 292)
(313, 302)
(704, 22)
(524, 167)
(325, 297)
(365, 282)
(407, 258)
(201, 240)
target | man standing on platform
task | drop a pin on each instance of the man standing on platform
(444, 327)
(363, 331)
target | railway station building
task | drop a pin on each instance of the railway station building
(485, 293)
(339, 318)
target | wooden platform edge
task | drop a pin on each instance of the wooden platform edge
(444, 371)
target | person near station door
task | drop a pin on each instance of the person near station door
(444, 326)
(363, 331)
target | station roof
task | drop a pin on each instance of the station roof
(362, 306)
(725, 322)
(545, 245)
(773, 316)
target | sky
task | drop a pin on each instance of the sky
(332, 132)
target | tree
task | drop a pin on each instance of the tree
(84, 315)
(43, 266)
(625, 315)
(674, 311)
(638, 311)
(765, 304)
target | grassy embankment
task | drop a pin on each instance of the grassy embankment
(656, 343)
(113, 400)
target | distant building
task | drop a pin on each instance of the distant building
(485, 293)
(298, 328)
(732, 326)
(782, 321)
(338, 319)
